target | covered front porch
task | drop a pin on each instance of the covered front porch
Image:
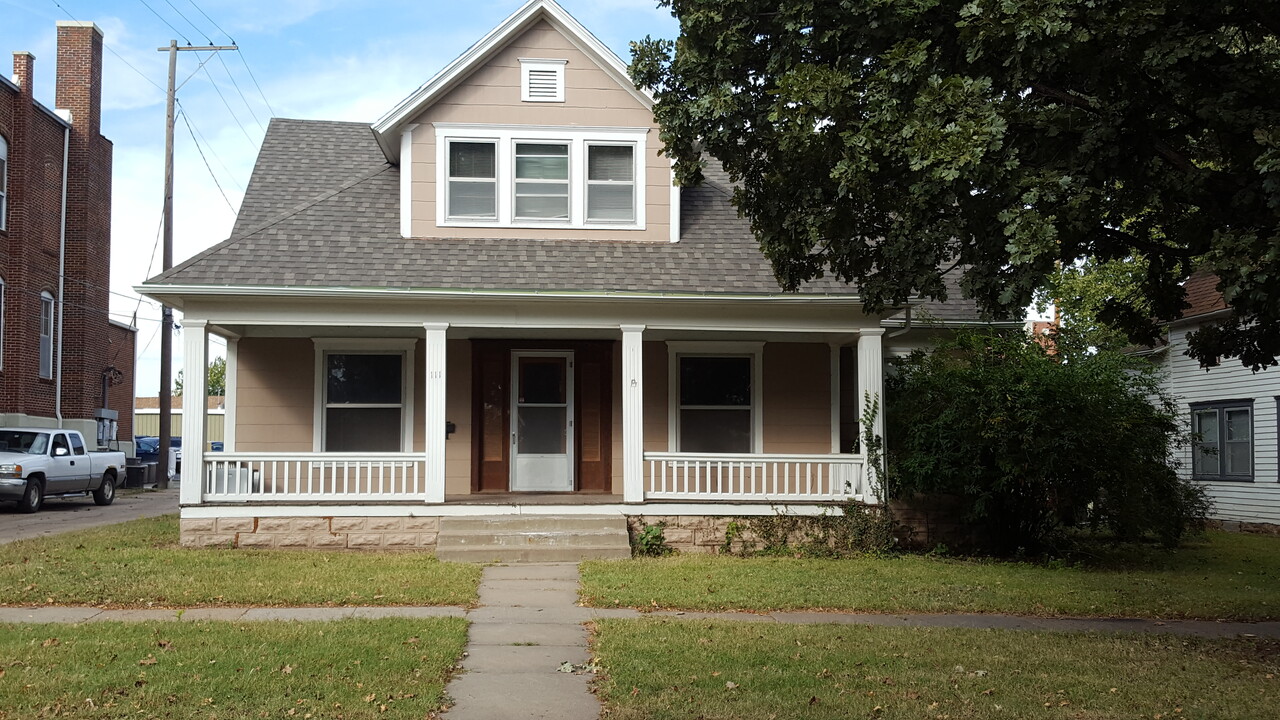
(629, 408)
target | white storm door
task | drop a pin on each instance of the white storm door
(542, 421)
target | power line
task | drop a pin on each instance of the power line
(211, 20)
(227, 105)
(166, 22)
(236, 85)
(230, 175)
(216, 184)
(255, 83)
(243, 59)
(193, 25)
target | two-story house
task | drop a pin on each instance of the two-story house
(63, 361)
(495, 301)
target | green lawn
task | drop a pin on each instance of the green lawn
(1221, 575)
(349, 669)
(140, 564)
(663, 668)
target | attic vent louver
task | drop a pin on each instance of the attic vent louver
(541, 80)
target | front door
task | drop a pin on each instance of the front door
(542, 421)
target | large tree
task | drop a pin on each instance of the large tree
(888, 141)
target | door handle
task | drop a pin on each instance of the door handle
(73, 462)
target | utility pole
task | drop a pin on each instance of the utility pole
(166, 320)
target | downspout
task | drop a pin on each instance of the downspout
(62, 269)
(905, 328)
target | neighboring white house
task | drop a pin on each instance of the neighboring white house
(1232, 409)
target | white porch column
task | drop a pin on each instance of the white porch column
(632, 413)
(195, 361)
(229, 401)
(434, 389)
(871, 386)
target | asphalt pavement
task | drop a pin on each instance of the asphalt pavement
(64, 515)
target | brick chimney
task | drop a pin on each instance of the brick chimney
(24, 68)
(80, 74)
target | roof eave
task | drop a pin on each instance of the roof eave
(387, 128)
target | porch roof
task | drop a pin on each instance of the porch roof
(322, 211)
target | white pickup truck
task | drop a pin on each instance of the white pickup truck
(36, 463)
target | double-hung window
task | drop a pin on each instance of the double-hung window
(715, 397)
(46, 335)
(365, 395)
(473, 180)
(1222, 440)
(506, 175)
(4, 182)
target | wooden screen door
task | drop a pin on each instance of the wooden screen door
(542, 421)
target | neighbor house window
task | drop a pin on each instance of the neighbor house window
(46, 335)
(473, 180)
(611, 183)
(1223, 440)
(715, 397)
(2, 289)
(4, 183)
(540, 177)
(542, 181)
(364, 391)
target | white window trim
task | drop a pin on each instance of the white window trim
(46, 301)
(677, 349)
(528, 65)
(404, 347)
(506, 137)
(442, 195)
(3, 287)
(4, 184)
(1221, 408)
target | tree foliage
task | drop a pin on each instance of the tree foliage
(215, 378)
(1080, 293)
(1032, 445)
(886, 141)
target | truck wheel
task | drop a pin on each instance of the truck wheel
(33, 498)
(106, 492)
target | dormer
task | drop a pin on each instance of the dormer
(535, 132)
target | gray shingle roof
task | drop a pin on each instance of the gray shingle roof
(322, 210)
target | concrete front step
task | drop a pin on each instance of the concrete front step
(532, 538)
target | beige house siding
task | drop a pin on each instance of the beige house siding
(491, 95)
(275, 395)
(457, 449)
(797, 398)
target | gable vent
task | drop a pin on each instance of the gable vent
(542, 80)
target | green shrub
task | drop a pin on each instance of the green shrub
(651, 541)
(1034, 444)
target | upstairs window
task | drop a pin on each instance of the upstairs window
(46, 335)
(542, 181)
(505, 175)
(541, 80)
(4, 183)
(473, 180)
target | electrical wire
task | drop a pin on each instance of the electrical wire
(228, 105)
(193, 25)
(244, 99)
(231, 177)
(166, 22)
(211, 20)
(216, 184)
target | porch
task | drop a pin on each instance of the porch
(716, 409)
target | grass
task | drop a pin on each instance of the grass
(663, 668)
(140, 564)
(1219, 576)
(351, 669)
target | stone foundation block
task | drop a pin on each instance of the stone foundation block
(224, 540)
(328, 541)
(384, 524)
(364, 540)
(199, 525)
(400, 540)
(310, 525)
(255, 540)
(678, 537)
(428, 539)
(274, 525)
(347, 524)
(236, 525)
(421, 524)
(293, 540)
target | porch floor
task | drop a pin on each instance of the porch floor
(534, 498)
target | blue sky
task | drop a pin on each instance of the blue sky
(314, 59)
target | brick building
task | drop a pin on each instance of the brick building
(57, 342)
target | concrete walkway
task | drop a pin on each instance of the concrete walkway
(528, 626)
(552, 605)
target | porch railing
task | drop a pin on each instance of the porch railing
(769, 477)
(310, 477)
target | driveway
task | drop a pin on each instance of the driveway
(63, 515)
